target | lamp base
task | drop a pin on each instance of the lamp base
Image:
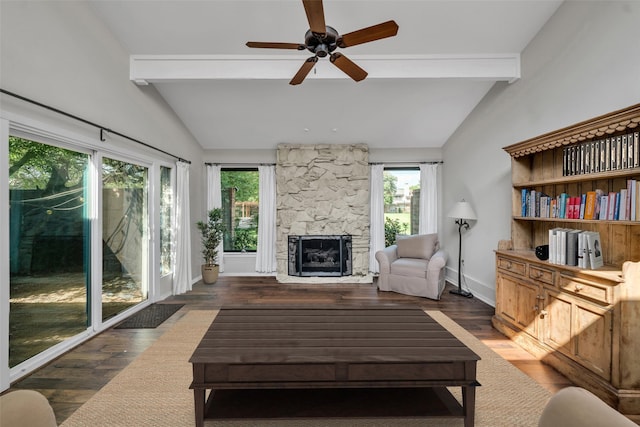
(461, 293)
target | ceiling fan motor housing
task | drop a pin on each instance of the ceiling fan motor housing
(322, 44)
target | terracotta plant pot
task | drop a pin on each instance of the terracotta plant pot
(210, 274)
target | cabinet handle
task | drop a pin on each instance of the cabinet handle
(579, 288)
(509, 265)
(543, 313)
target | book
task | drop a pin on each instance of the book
(561, 235)
(636, 149)
(562, 208)
(618, 152)
(583, 257)
(595, 249)
(623, 152)
(612, 205)
(604, 206)
(590, 205)
(631, 206)
(583, 201)
(622, 209)
(607, 154)
(637, 202)
(524, 202)
(576, 201)
(552, 245)
(630, 158)
(572, 247)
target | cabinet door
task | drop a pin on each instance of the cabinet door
(579, 330)
(593, 338)
(558, 324)
(506, 297)
(528, 309)
(517, 303)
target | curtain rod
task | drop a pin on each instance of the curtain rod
(246, 165)
(436, 162)
(103, 129)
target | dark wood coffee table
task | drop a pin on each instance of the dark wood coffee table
(322, 348)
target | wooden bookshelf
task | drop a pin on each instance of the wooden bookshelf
(585, 323)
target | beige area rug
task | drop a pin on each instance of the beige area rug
(154, 389)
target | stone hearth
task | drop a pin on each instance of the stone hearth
(323, 190)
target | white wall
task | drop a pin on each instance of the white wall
(59, 54)
(584, 62)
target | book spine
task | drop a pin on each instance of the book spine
(612, 205)
(590, 205)
(636, 149)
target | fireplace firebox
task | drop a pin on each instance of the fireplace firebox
(320, 256)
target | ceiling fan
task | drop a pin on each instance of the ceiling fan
(322, 40)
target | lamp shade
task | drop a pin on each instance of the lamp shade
(462, 210)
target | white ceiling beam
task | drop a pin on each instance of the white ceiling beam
(145, 69)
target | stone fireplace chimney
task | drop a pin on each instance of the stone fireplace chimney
(323, 190)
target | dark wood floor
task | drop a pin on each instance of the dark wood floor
(72, 379)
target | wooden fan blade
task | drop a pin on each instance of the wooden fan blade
(348, 67)
(369, 34)
(276, 45)
(315, 16)
(304, 70)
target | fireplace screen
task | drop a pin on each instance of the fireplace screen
(320, 255)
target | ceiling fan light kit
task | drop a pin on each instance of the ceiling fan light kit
(322, 40)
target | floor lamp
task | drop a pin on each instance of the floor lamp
(462, 211)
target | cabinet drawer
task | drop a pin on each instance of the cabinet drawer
(512, 266)
(541, 274)
(586, 289)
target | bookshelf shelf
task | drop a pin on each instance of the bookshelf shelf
(576, 221)
(622, 173)
(583, 322)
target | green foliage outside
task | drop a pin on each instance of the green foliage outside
(240, 237)
(36, 166)
(390, 187)
(393, 227)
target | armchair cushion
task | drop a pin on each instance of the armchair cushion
(417, 246)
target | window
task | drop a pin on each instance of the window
(401, 202)
(124, 236)
(49, 246)
(166, 221)
(240, 190)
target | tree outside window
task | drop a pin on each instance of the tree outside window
(240, 202)
(401, 202)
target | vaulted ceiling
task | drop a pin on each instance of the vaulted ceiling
(421, 86)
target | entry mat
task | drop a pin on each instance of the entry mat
(150, 317)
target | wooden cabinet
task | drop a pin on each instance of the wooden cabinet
(585, 323)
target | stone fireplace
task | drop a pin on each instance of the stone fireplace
(323, 190)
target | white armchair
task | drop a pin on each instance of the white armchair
(413, 266)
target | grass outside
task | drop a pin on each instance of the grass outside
(404, 218)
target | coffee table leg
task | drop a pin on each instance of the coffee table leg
(198, 396)
(469, 405)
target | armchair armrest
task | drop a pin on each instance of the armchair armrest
(385, 257)
(438, 261)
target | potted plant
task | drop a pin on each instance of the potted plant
(212, 232)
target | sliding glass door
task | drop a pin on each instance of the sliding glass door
(125, 236)
(48, 246)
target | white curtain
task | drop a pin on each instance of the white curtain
(182, 248)
(214, 200)
(376, 220)
(266, 252)
(428, 222)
